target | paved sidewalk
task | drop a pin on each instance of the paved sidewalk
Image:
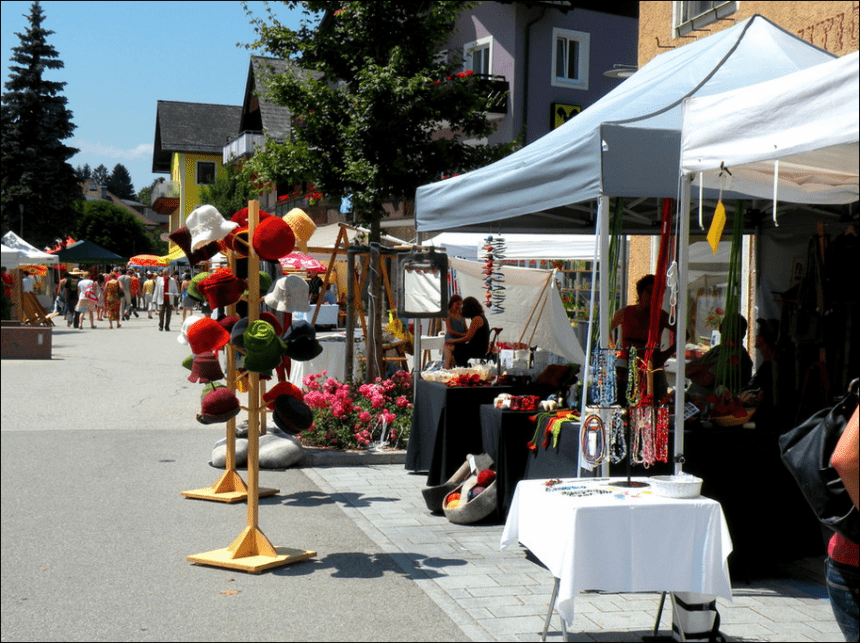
(500, 596)
(98, 443)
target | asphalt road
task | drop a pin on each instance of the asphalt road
(97, 444)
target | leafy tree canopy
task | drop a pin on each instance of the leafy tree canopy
(377, 110)
(114, 228)
(38, 184)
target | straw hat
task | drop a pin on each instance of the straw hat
(302, 225)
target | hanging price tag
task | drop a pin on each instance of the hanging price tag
(717, 225)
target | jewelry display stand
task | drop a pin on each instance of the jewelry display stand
(230, 487)
(251, 551)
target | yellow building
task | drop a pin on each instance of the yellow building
(189, 144)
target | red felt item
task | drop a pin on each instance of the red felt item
(485, 477)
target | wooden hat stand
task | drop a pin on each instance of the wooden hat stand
(251, 551)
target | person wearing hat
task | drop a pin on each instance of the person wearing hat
(165, 290)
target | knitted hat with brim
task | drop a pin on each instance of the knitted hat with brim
(301, 341)
(282, 388)
(263, 347)
(292, 415)
(206, 368)
(207, 335)
(273, 239)
(223, 288)
(182, 338)
(228, 321)
(182, 238)
(218, 405)
(193, 290)
(237, 334)
(206, 224)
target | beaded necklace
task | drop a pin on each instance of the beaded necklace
(617, 441)
(592, 440)
(633, 390)
(662, 447)
(643, 436)
(603, 388)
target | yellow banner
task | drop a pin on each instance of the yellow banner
(717, 225)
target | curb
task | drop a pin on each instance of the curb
(325, 458)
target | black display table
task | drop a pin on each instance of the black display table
(446, 427)
(505, 435)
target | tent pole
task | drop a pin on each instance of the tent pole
(416, 336)
(681, 317)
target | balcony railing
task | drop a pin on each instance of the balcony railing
(243, 146)
(496, 88)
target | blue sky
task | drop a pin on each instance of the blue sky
(122, 57)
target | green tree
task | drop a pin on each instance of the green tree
(39, 186)
(229, 193)
(369, 92)
(119, 182)
(101, 175)
(83, 173)
(114, 228)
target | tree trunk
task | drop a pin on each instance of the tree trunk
(375, 308)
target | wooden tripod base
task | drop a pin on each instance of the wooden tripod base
(251, 552)
(230, 488)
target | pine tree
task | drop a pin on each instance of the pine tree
(83, 173)
(101, 175)
(38, 184)
(119, 182)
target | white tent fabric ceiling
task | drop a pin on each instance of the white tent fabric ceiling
(627, 144)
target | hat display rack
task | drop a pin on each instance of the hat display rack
(230, 487)
(251, 551)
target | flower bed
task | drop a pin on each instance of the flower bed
(356, 415)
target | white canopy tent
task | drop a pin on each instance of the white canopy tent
(800, 130)
(533, 311)
(518, 246)
(626, 145)
(10, 257)
(28, 254)
(794, 138)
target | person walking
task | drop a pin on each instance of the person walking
(88, 299)
(148, 289)
(166, 290)
(113, 301)
(125, 282)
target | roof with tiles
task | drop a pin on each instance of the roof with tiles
(192, 127)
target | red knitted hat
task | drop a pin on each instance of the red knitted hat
(282, 388)
(228, 322)
(206, 368)
(273, 239)
(207, 335)
(218, 405)
(241, 217)
(222, 288)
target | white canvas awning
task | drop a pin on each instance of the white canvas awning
(627, 144)
(10, 257)
(533, 311)
(28, 254)
(518, 247)
(807, 121)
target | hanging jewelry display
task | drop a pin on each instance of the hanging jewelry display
(661, 435)
(634, 390)
(617, 440)
(643, 450)
(603, 387)
(494, 254)
(592, 441)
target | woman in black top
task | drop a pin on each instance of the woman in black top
(476, 342)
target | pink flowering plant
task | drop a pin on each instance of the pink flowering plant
(356, 415)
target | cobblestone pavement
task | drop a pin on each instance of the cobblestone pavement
(498, 595)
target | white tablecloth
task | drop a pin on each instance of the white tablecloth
(625, 541)
(327, 316)
(332, 359)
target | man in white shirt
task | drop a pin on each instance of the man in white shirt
(28, 282)
(166, 289)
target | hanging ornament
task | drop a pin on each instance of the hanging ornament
(494, 253)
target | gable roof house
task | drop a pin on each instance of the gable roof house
(189, 143)
(92, 191)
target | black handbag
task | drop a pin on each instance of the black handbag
(806, 451)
